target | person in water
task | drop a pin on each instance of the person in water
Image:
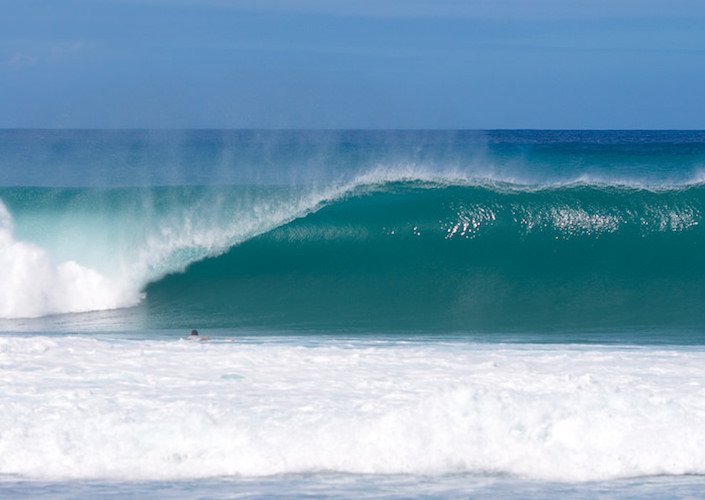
(194, 336)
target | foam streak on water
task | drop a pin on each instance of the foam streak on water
(84, 408)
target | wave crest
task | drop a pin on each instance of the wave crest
(470, 249)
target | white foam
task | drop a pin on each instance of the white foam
(85, 408)
(32, 284)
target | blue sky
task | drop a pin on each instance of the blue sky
(473, 64)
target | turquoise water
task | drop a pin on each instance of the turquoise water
(384, 231)
(423, 256)
(391, 313)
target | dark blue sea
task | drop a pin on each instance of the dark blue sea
(389, 314)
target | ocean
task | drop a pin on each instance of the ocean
(390, 314)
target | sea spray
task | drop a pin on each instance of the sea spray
(448, 229)
(33, 284)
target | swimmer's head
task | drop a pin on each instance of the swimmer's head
(194, 332)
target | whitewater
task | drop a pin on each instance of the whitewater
(395, 314)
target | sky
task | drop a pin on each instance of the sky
(360, 64)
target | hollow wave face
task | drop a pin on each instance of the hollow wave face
(425, 255)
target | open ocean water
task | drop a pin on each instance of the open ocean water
(392, 314)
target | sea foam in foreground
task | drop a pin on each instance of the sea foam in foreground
(86, 408)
